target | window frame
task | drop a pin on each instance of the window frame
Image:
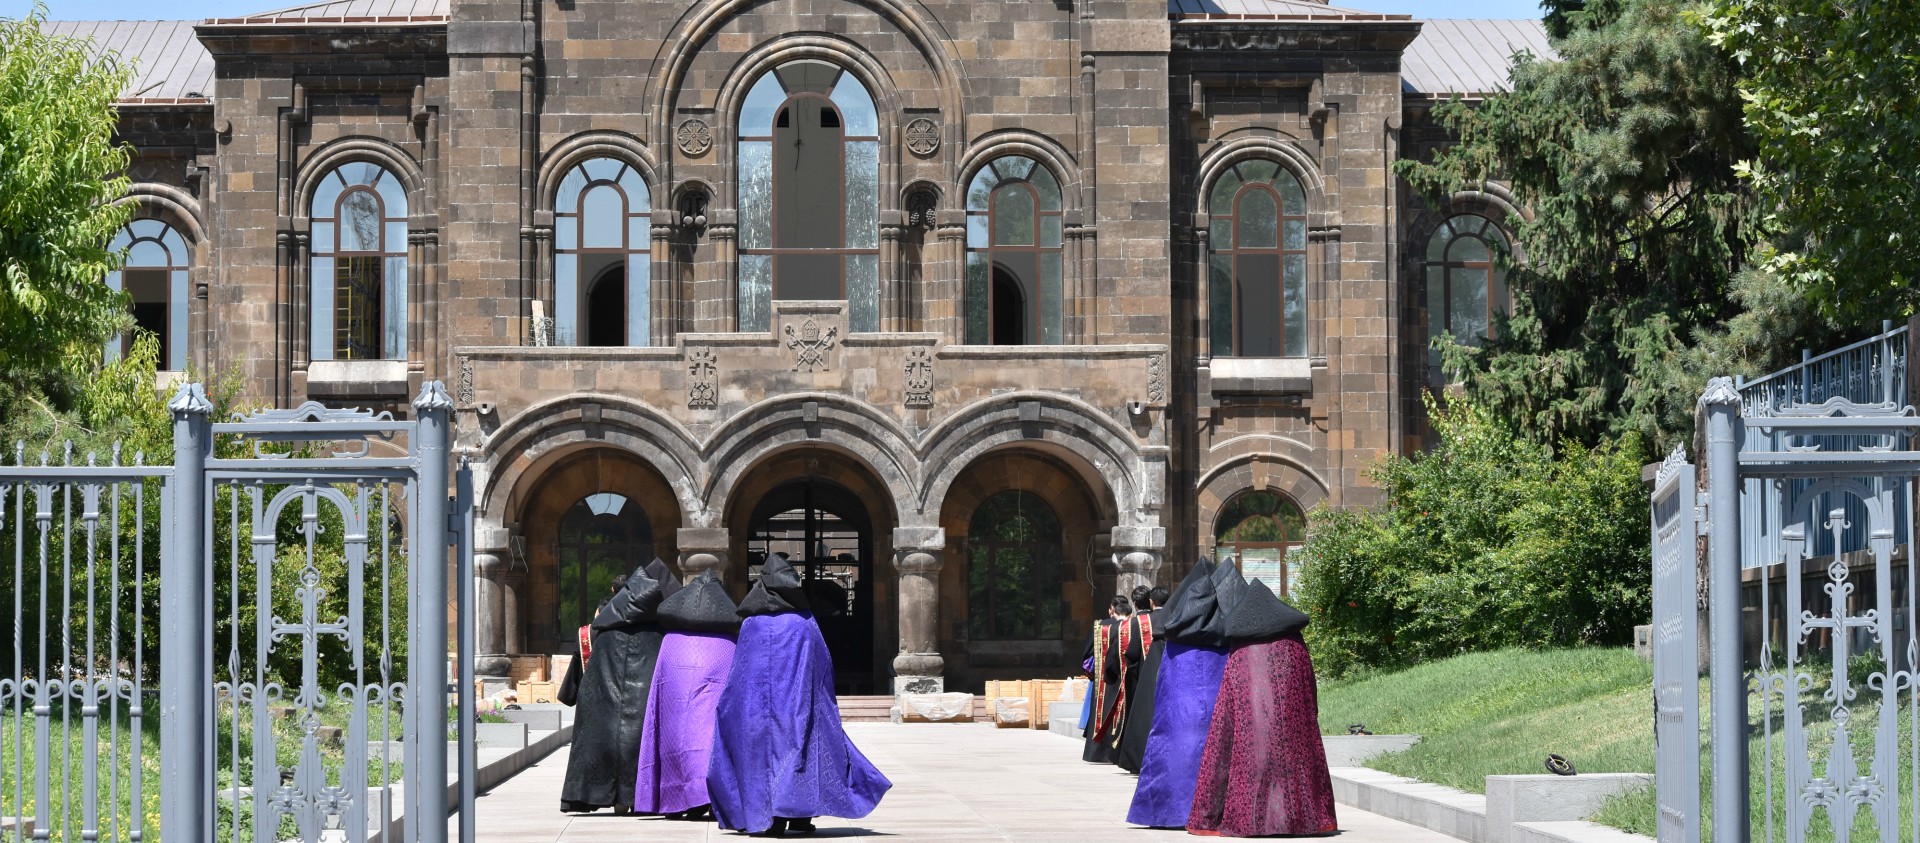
(1225, 548)
(631, 517)
(1046, 591)
(1449, 235)
(178, 267)
(572, 282)
(324, 263)
(1229, 247)
(984, 249)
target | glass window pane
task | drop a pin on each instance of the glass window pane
(393, 195)
(978, 300)
(323, 237)
(756, 194)
(1223, 191)
(1467, 291)
(1296, 306)
(394, 313)
(863, 194)
(1260, 170)
(639, 302)
(566, 299)
(980, 190)
(763, 101)
(121, 240)
(602, 169)
(863, 292)
(856, 107)
(1220, 311)
(1292, 197)
(357, 299)
(1014, 166)
(756, 292)
(1258, 220)
(640, 233)
(1296, 235)
(979, 594)
(1436, 300)
(1468, 249)
(1258, 277)
(176, 357)
(1050, 232)
(566, 233)
(396, 237)
(360, 222)
(325, 194)
(320, 280)
(1220, 234)
(1013, 216)
(977, 231)
(1437, 247)
(567, 198)
(636, 190)
(602, 213)
(1048, 188)
(1052, 321)
(176, 247)
(146, 253)
(363, 173)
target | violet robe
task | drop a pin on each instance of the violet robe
(1183, 704)
(778, 747)
(1264, 770)
(676, 739)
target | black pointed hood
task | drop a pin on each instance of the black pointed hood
(1259, 615)
(669, 581)
(1192, 608)
(702, 606)
(634, 604)
(1228, 585)
(779, 590)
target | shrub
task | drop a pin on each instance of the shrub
(1488, 540)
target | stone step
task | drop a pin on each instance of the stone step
(865, 709)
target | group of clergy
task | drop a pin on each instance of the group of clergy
(689, 706)
(1208, 695)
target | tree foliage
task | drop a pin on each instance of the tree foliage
(60, 172)
(1832, 101)
(1622, 152)
(1489, 540)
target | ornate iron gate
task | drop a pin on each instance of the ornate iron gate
(1676, 654)
(296, 563)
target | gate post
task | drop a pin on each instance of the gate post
(429, 692)
(1727, 679)
(186, 629)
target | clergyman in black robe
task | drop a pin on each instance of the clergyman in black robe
(1144, 654)
(1103, 656)
(605, 757)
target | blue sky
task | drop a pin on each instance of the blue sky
(194, 9)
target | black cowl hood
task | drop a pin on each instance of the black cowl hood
(1258, 615)
(702, 606)
(634, 604)
(1191, 615)
(669, 581)
(779, 590)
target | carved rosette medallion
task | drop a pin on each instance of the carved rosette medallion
(703, 380)
(923, 137)
(1157, 379)
(810, 345)
(919, 373)
(694, 136)
(465, 383)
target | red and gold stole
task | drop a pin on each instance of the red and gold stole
(586, 646)
(1099, 690)
(1145, 622)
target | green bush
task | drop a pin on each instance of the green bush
(1486, 541)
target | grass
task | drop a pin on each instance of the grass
(66, 756)
(1502, 712)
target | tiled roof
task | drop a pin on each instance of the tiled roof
(169, 64)
(1469, 56)
(1185, 10)
(379, 12)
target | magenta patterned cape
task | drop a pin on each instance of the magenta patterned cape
(1264, 770)
(676, 740)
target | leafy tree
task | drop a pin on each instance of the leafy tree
(60, 170)
(1489, 540)
(1832, 102)
(1623, 151)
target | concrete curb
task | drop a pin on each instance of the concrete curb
(1516, 809)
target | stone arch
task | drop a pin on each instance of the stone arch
(1494, 202)
(168, 204)
(525, 445)
(822, 419)
(347, 150)
(1274, 471)
(1233, 150)
(1039, 147)
(1096, 444)
(563, 156)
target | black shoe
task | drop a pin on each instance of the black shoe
(802, 825)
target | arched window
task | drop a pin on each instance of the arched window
(809, 194)
(1464, 288)
(601, 537)
(155, 278)
(1013, 569)
(1257, 269)
(602, 262)
(1013, 294)
(1259, 529)
(359, 270)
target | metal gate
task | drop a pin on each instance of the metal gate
(1814, 681)
(296, 564)
(1676, 686)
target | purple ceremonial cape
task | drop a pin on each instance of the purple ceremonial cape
(1183, 705)
(778, 747)
(676, 739)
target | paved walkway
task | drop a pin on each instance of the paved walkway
(951, 783)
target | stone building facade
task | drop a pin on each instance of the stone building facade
(986, 311)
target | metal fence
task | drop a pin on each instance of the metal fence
(275, 596)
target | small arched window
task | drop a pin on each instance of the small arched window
(1257, 266)
(155, 280)
(1013, 569)
(1260, 529)
(809, 199)
(602, 536)
(359, 269)
(1013, 290)
(602, 266)
(1464, 286)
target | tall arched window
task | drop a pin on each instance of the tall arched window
(601, 537)
(602, 264)
(1257, 269)
(1013, 569)
(1464, 287)
(1013, 294)
(1259, 529)
(809, 194)
(359, 270)
(155, 278)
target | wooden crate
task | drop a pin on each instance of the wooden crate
(528, 669)
(1046, 692)
(538, 692)
(557, 666)
(1008, 689)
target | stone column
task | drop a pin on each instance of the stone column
(919, 554)
(513, 631)
(703, 549)
(488, 627)
(1136, 557)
